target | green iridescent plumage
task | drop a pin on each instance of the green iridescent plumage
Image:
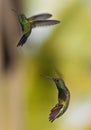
(24, 23)
(63, 99)
(27, 24)
(26, 29)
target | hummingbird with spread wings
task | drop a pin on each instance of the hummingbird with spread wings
(63, 99)
(27, 24)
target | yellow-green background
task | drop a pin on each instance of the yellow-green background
(67, 47)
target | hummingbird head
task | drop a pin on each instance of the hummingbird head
(23, 16)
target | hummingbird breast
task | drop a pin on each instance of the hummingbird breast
(26, 27)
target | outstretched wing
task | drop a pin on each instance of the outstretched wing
(40, 23)
(23, 39)
(39, 17)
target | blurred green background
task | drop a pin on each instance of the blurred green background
(67, 47)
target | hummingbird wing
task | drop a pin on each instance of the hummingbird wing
(39, 17)
(40, 23)
(23, 39)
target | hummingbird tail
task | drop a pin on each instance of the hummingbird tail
(55, 112)
(23, 39)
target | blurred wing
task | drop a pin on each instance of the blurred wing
(40, 23)
(39, 17)
(58, 73)
(23, 39)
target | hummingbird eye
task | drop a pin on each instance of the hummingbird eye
(57, 80)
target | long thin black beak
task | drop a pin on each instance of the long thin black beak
(49, 77)
(14, 11)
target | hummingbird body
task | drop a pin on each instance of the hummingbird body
(63, 99)
(26, 29)
(63, 95)
(27, 24)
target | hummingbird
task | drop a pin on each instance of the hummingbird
(27, 24)
(63, 99)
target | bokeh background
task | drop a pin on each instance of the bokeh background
(26, 97)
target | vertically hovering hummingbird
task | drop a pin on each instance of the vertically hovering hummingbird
(63, 99)
(27, 24)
